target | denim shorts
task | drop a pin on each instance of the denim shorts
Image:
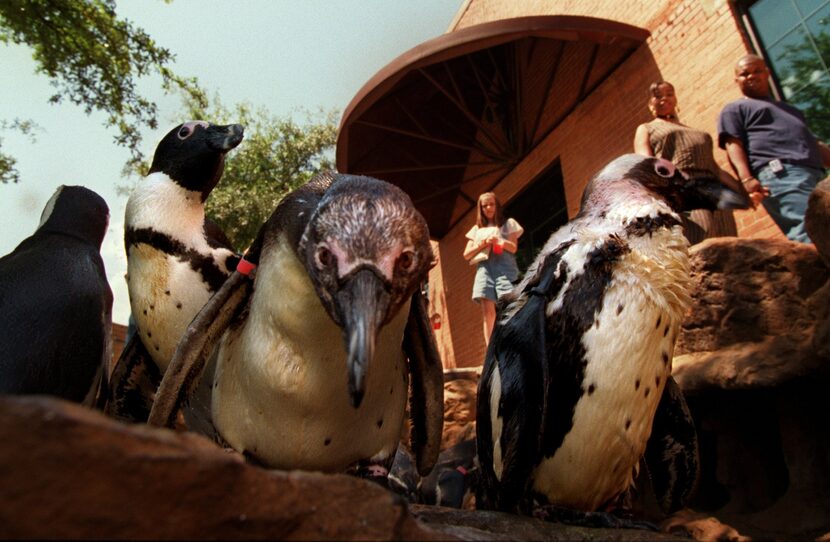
(495, 276)
(790, 189)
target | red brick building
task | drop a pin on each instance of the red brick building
(530, 98)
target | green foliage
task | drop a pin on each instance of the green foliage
(276, 156)
(93, 60)
(805, 70)
(8, 173)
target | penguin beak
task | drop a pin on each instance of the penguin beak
(362, 302)
(710, 193)
(225, 138)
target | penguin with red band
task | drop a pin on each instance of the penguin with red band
(308, 365)
(176, 258)
(576, 388)
(56, 303)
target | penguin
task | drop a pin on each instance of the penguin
(403, 477)
(176, 258)
(451, 483)
(454, 479)
(578, 371)
(313, 356)
(56, 303)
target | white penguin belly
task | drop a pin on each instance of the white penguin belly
(629, 350)
(281, 384)
(165, 295)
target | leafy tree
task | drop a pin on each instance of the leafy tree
(805, 69)
(93, 60)
(8, 173)
(276, 156)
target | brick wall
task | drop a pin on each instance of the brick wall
(694, 44)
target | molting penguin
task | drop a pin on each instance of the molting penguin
(176, 259)
(578, 370)
(56, 304)
(313, 363)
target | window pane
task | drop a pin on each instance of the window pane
(814, 102)
(795, 60)
(807, 7)
(540, 209)
(773, 19)
(819, 26)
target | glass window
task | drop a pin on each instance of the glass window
(541, 209)
(774, 19)
(795, 35)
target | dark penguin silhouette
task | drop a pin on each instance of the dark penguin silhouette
(315, 354)
(450, 484)
(578, 371)
(454, 478)
(56, 304)
(176, 259)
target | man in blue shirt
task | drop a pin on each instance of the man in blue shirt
(773, 152)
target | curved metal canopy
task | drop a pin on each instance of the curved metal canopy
(451, 117)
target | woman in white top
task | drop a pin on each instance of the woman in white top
(491, 247)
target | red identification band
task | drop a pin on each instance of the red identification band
(245, 267)
(461, 469)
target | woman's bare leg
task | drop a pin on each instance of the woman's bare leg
(488, 309)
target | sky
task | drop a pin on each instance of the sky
(284, 55)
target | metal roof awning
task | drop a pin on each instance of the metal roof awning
(451, 117)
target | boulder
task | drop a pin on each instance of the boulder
(752, 360)
(71, 473)
(759, 316)
(817, 219)
(460, 386)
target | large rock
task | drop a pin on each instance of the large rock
(752, 360)
(67, 472)
(486, 525)
(460, 386)
(817, 219)
(70, 473)
(759, 316)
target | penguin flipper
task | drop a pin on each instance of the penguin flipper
(672, 455)
(517, 374)
(133, 383)
(426, 404)
(515, 364)
(195, 347)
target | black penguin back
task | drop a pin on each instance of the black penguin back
(55, 301)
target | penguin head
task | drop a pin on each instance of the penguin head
(193, 154)
(663, 179)
(366, 250)
(76, 211)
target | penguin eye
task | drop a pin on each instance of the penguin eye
(324, 257)
(185, 132)
(406, 261)
(664, 169)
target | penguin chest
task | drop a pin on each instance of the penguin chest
(628, 354)
(165, 295)
(281, 385)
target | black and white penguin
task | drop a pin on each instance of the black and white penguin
(176, 259)
(56, 303)
(314, 357)
(453, 481)
(582, 351)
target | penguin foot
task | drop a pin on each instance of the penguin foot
(561, 514)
